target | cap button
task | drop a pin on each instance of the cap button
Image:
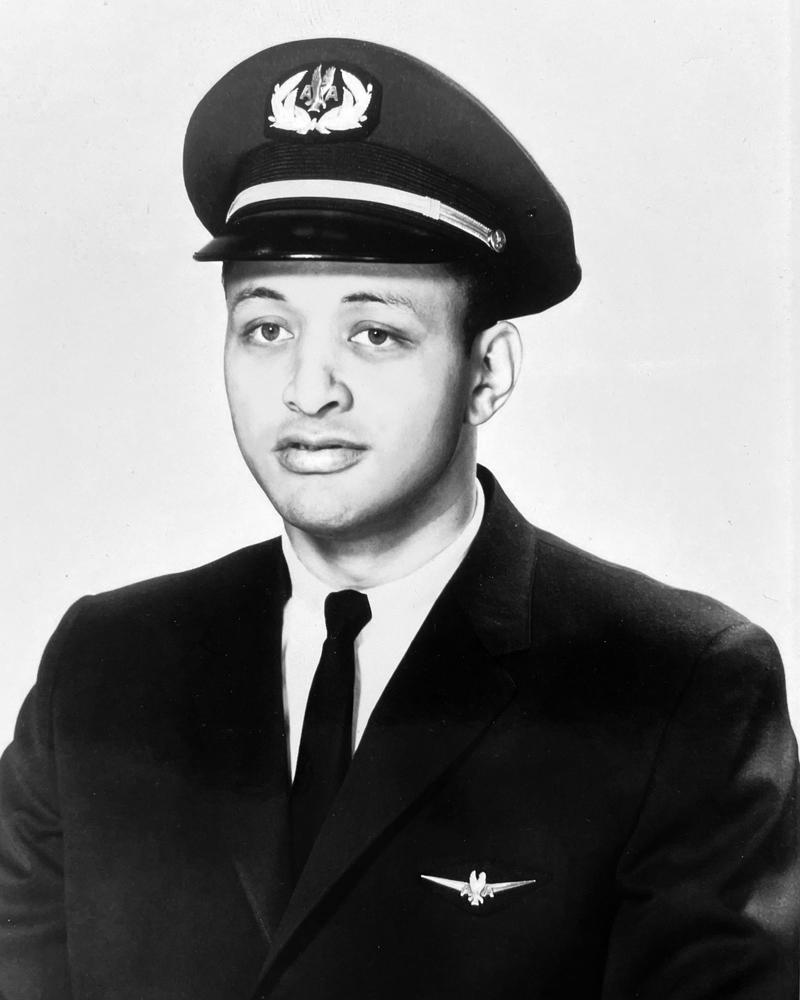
(497, 240)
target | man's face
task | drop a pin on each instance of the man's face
(348, 385)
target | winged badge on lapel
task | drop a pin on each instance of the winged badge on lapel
(477, 888)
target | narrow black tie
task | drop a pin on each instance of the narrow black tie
(326, 744)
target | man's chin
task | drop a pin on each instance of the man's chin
(350, 506)
(318, 524)
(320, 513)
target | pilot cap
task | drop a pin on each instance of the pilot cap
(344, 150)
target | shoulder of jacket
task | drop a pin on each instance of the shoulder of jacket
(619, 605)
(206, 586)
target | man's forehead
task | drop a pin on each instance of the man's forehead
(408, 286)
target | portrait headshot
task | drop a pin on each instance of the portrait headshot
(400, 527)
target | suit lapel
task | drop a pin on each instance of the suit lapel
(240, 748)
(494, 583)
(438, 705)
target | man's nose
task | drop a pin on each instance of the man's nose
(315, 386)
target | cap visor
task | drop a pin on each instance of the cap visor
(319, 233)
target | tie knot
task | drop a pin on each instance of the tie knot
(346, 613)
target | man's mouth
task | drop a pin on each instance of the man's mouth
(313, 447)
(318, 457)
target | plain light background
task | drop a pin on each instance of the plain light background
(653, 422)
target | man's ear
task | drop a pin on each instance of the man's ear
(496, 357)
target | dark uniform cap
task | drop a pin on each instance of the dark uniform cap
(339, 149)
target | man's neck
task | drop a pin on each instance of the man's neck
(387, 555)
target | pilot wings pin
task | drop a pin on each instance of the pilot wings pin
(477, 888)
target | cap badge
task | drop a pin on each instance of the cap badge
(331, 105)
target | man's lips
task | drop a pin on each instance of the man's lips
(316, 444)
(308, 455)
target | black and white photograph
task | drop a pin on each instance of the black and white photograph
(399, 542)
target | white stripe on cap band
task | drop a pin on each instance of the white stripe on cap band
(431, 208)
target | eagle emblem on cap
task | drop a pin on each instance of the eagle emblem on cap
(350, 99)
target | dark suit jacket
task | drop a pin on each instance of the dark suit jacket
(557, 718)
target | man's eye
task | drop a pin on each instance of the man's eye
(374, 337)
(271, 332)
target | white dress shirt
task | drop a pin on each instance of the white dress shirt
(398, 610)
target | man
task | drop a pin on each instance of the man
(415, 747)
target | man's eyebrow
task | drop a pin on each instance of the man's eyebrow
(255, 292)
(384, 298)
